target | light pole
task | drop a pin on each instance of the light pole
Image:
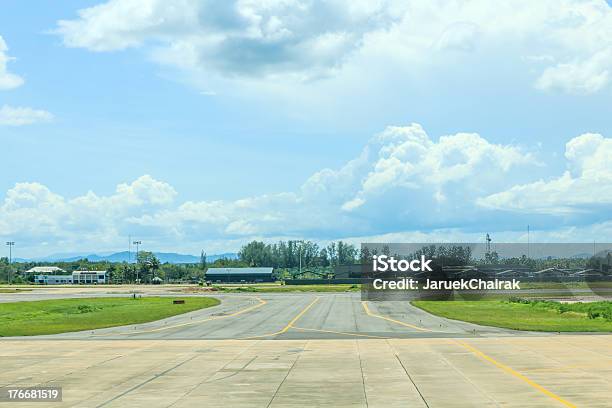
(137, 243)
(8, 274)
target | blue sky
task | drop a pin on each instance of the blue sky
(326, 120)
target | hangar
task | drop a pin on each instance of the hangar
(239, 275)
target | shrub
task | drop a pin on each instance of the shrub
(600, 310)
(85, 309)
(516, 299)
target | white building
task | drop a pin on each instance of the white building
(45, 270)
(53, 279)
(89, 277)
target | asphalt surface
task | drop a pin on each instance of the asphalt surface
(289, 316)
(327, 350)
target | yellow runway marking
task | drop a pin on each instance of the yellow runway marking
(518, 375)
(369, 313)
(289, 325)
(239, 312)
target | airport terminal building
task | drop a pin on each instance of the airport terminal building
(240, 275)
(51, 275)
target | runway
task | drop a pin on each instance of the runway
(296, 316)
(311, 350)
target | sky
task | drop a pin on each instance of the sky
(195, 125)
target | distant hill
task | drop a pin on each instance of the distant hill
(164, 257)
(583, 255)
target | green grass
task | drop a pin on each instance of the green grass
(531, 315)
(290, 288)
(69, 315)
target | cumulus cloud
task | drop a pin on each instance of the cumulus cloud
(585, 187)
(32, 212)
(402, 180)
(582, 77)
(19, 116)
(8, 80)
(404, 185)
(312, 39)
(416, 181)
(242, 37)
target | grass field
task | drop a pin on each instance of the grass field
(526, 314)
(68, 315)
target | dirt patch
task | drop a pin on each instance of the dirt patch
(197, 289)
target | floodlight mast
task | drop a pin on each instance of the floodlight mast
(137, 243)
(10, 244)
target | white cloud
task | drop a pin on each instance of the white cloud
(582, 77)
(245, 37)
(19, 116)
(585, 187)
(10, 115)
(305, 40)
(402, 180)
(146, 190)
(32, 212)
(435, 174)
(404, 185)
(8, 80)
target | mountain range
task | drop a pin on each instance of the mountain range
(125, 256)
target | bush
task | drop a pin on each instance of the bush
(516, 299)
(593, 310)
(85, 309)
(564, 307)
(600, 310)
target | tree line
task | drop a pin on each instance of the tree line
(290, 254)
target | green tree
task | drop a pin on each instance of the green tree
(148, 265)
(203, 260)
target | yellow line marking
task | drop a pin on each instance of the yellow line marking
(338, 332)
(289, 325)
(518, 375)
(369, 313)
(239, 312)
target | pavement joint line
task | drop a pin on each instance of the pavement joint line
(363, 380)
(369, 313)
(289, 325)
(516, 374)
(99, 363)
(97, 394)
(524, 349)
(236, 357)
(236, 372)
(288, 372)
(399, 360)
(239, 312)
(339, 332)
(154, 377)
(467, 379)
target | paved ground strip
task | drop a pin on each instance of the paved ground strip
(575, 370)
